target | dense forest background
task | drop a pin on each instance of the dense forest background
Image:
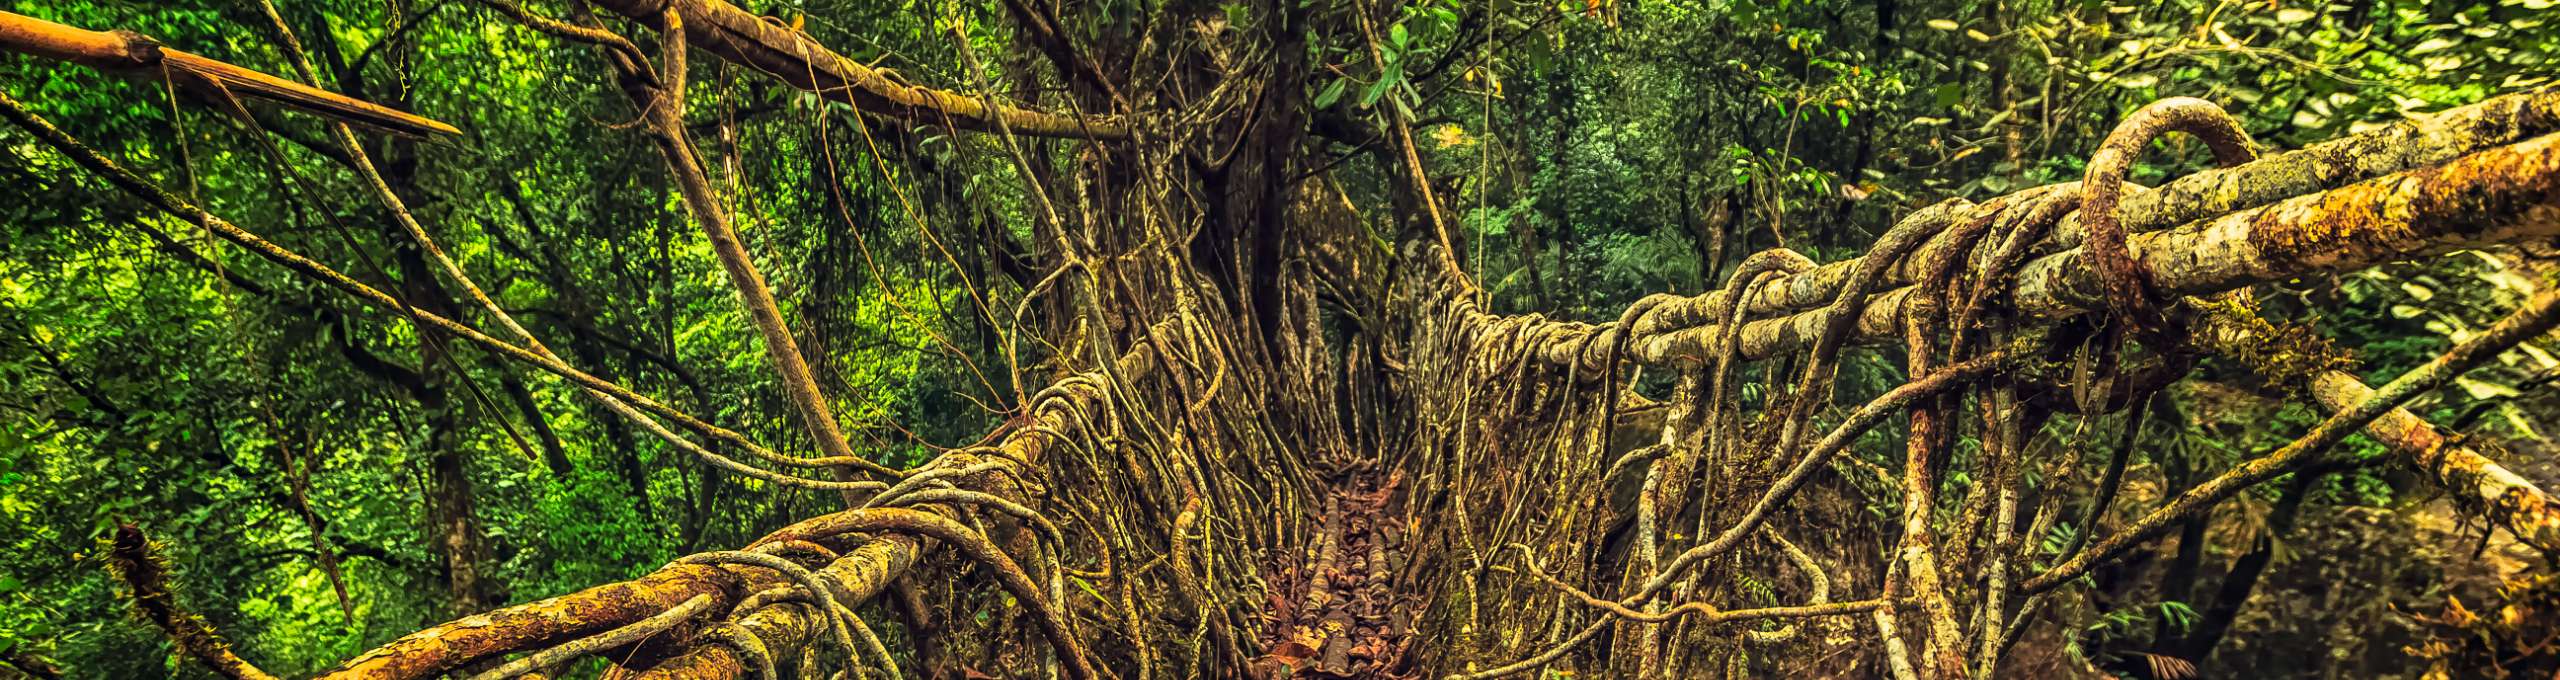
(298, 457)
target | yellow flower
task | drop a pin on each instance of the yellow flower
(1450, 135)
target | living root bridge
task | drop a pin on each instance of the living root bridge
(1529, 533)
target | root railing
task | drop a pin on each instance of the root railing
(1513, 421)
(1977, 288)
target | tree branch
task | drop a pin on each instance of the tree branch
(766, 45)
(129, 53)
(142, 569)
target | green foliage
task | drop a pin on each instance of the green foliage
(141, 383)
(1598, 152)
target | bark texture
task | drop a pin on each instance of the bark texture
(1275, 442)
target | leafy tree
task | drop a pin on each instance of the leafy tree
(1257, 339)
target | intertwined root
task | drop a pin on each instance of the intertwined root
(1317, 462)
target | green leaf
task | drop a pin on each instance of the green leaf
(1393, 74)
(1331, 93)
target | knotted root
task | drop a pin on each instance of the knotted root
(2128, 286)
